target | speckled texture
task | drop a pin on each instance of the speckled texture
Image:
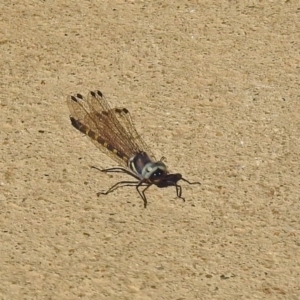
(214, 87)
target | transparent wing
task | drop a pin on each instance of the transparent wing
(112, 129)
(124, 117)
(96, 122)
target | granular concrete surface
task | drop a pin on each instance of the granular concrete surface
(213, 86)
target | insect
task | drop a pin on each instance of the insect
(113, 132)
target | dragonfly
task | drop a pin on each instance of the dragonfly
(113, 132)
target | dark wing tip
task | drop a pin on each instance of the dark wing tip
(100, 94)
(93, 94)
(74, 122)
(73, 98)
(96, 93)
(120, 110)
(76, 97)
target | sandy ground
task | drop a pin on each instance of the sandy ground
(214, 87)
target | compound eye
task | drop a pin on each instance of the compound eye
(157, 175)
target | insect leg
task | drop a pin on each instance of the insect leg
(118, 185)
(116, 170)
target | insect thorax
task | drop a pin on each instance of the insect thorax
(144, 167)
